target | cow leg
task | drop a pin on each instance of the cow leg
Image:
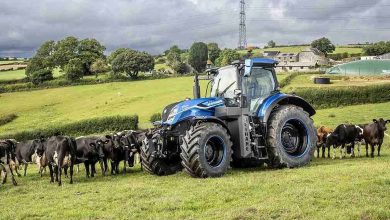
(372, 150)
(3, 174)
(59, 170)
(25, 169)
(334, 153)
(124, 166)
(358, 148)
(353, 150)
(78, 168)
(86, 164)
(318, 152)
(366, 149)
(341, 151)
(51, 173)
(113, 169)
(379, 149)
(17, 171)
(105, 166)
(328, 151)
(9, 170)
(66, 171)
(323, 151)
(117, 167)
(102, 168)
(93, 171)
(71, 171)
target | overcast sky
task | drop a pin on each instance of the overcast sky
(155, 25)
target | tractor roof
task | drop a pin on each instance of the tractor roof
(261, 62)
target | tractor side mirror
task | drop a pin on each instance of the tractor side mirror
(237, 92)
(248, 67)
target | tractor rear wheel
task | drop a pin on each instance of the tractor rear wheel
(157, 166)
(291, 137)
(206, 150)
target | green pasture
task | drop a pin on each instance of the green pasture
(351, 188)
(20, 74)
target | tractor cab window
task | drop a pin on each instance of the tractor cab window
(258, 86)
(225, 83)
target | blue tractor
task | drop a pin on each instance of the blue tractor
(244, 120)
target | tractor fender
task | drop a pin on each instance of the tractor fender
(283, 99)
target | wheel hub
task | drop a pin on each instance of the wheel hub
(214, 151)
(294, 137)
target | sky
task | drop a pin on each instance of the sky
(155, 25)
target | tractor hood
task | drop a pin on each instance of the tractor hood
(203, 107)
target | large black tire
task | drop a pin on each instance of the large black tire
(291, 137)
(206, 150)
(158, 166)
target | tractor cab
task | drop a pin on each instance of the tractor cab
(249, 84)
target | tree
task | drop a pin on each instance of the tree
(40, 76)
(64, 51)
(74, 70)
(99, 66)
(376, 49)
(114, 54)
(45, 52)
(174, 60)
(132, 62)
(214, 51)
(198, 56)
(89, 50)
(227, 57)
(36, 63)
(324, 45)
(271, 44)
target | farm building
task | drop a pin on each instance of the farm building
(307, 59)
(362, 68)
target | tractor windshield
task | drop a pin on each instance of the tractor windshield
(225, 83)
(258, 86)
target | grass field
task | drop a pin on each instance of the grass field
(21, 74)
(306, 80)
(326, 189)
(11, 61)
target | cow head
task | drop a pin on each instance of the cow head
(331, 139)
(106, 142)
(116, 139)
(381, 124)
(98, 149)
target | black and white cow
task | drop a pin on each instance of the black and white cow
(374, 134)
(7, 154)
(89, 153)
(59, 151)
(344, 135)
(131, 141)
(26, 152)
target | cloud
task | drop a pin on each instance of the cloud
(155, 25)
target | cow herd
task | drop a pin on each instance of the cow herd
(61, 153)
(348, 136)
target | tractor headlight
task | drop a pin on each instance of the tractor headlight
(172, 114)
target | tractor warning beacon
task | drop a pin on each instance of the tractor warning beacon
(244, 120)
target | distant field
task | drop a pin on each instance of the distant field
(348, 50)
(11, 61)
(20, 74)
(307, 81)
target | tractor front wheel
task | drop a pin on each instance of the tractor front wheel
(291, 137)
(206, 150)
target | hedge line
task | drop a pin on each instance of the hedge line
(7, 119)
(80, 128)
(343, 96)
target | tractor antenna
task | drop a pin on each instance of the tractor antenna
(242, 43)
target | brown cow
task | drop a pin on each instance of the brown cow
(322, 134)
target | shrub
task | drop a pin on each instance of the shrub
(83, 127)
(344, 96)
(40, 76)
(74, 70)
(99, 66)
(7, 119)
(155, 117)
